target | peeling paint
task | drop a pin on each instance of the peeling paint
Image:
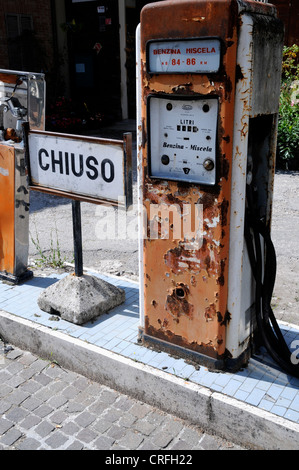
(177, 303)
(210, 313)
(185, 295)
(197, 19)
(4, 172)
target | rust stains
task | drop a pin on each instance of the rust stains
(161, 84)
(224, 212)
(239, 73)
(182, 88)
(226, 138)
(177, 306)
(144, 136)
(172, 200)
(207, 200)
(210, 312)
(225, 167)
(197, 19)
(221, 278)
(160, 193)
(224, 320)
(178, 260)
(206, 259)
(165, 334)
(164, 323)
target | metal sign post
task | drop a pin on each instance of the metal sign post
(77, 233)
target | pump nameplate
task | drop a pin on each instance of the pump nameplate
(184, 56)
(182, 138)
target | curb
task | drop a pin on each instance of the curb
(214, 412)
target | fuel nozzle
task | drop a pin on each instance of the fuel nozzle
(18, 111)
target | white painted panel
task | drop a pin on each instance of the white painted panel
(238, 259)
(82, 167)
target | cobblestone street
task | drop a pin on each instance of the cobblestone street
(45, 407)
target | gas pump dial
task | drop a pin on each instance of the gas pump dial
(182, 144)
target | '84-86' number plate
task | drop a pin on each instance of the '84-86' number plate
(200, 55)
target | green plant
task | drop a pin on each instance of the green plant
(288, 127)
(288, 122)
(290, 63)
(36, 243)
(54, 259)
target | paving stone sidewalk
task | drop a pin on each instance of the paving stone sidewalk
(45, 407)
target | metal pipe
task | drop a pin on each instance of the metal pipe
(77, 234)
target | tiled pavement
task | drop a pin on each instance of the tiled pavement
(261, 384)
(45, 407)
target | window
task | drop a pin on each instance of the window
(19, 36)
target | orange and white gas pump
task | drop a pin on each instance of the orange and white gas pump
(208, 98)
(22, 99)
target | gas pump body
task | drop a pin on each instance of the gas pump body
(209, 84)
(22, 99)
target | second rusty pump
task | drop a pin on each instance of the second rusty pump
(22, 99)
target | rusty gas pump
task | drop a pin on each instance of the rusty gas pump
(208, 99)
(22, 99)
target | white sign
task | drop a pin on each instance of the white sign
(182, 139)
(90, 167)
(184, 56)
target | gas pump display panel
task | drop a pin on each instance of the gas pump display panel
(182, 138)
(195, 55)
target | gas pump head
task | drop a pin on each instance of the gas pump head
(208, 99)
(17, 110)
(22, 98)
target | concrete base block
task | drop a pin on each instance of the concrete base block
(80, 299)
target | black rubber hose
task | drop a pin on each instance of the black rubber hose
(268, 327)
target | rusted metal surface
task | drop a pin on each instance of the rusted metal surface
(14, 213)
(185, 286)
(7, 209)
(195, 319)
(8, 78)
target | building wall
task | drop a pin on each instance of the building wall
(288, 11)
(33, 49)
